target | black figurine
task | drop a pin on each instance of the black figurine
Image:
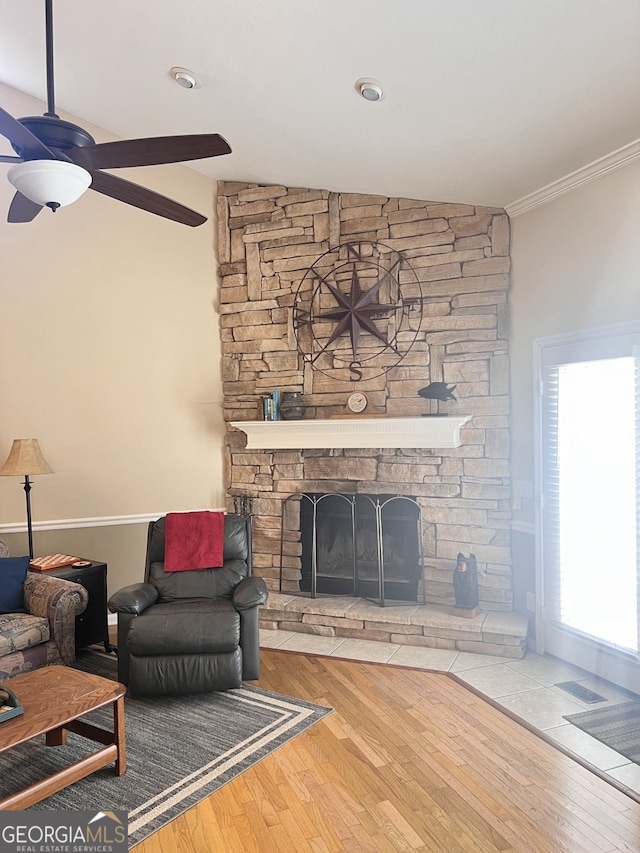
(465, 583)
(438, 391)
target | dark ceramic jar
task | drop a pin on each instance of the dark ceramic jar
(291, 406)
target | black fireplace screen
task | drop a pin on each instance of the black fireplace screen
(360, 545)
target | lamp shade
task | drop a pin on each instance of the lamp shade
(25, 458)
(51, 183)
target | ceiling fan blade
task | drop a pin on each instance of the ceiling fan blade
(149, 152)
(145, 199)
(7, 158)
(23, 140)
(23, 209)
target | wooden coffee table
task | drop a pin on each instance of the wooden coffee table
(53, 698)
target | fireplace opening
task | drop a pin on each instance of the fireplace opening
(360, 545)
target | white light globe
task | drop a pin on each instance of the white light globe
(50, 183)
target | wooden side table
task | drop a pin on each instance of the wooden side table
(91, 626)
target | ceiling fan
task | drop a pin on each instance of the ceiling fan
(57, 161)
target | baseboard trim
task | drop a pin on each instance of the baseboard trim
(98, 521)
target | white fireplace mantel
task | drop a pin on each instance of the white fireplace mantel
(364, 432)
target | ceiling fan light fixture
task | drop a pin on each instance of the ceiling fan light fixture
(59, 160)
(50, 183)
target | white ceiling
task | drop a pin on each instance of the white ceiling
(485, 101)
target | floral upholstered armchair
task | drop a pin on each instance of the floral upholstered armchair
(45, 633)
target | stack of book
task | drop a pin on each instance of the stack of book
(271, 407)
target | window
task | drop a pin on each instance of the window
(588, 429)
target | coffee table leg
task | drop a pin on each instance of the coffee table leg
(56, 737)
(119, 734)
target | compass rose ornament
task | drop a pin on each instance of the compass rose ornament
(357, 311)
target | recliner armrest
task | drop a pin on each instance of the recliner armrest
(134, 598)
(250, 592)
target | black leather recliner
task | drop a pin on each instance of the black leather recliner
(191, 631)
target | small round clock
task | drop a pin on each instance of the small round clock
(357, 402)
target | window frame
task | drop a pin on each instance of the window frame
(583, 345)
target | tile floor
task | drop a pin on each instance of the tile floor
(525, 687)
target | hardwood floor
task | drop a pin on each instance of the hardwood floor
(408, 761)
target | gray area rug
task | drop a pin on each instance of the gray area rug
(617, 726)
(179, 750)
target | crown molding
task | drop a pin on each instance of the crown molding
(592, 172)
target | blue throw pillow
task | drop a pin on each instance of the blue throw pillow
(13, 571)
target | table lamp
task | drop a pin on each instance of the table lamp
(26, 459)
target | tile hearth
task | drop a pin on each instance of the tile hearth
(418, 625)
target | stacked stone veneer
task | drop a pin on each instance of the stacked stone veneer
(268, 237)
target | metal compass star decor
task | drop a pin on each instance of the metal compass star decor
(357, 311)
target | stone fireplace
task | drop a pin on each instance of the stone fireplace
(269, 237)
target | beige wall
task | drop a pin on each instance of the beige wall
(575, 265)
(122, 547)
(109, 355)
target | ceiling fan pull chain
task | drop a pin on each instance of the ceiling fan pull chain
(51, 104)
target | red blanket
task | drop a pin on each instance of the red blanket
(193, 540)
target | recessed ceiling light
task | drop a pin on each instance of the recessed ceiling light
(369, 89)
(185, 78)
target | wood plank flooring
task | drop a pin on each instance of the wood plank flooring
(408, 761)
